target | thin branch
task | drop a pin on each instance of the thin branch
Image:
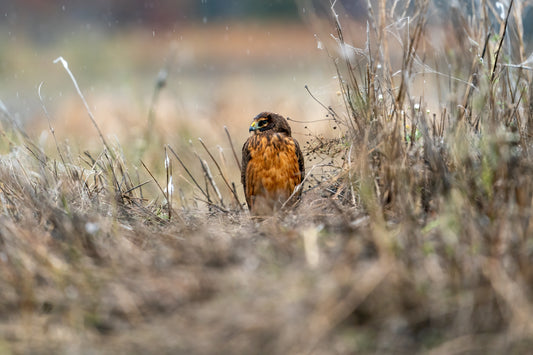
(136, 187)
(91, 116)
(501, 41)
(153, 178)
(221, 173)
(188, 172)
(51, 128)
(170, 186)
(210, 179)
(233, 148)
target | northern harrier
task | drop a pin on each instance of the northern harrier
(272, 164)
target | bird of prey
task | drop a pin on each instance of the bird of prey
(272, 165)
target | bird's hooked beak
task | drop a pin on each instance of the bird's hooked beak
(253, 127)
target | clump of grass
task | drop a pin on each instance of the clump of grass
(447, 194)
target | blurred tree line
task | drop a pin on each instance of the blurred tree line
(161, 13)
(148, 12)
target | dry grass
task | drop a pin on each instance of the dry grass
(413, 235)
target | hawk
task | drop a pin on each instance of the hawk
(272, 165)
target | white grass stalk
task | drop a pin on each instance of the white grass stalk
(91, 116)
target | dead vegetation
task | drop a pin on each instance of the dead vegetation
(413, 234)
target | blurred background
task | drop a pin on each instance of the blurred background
(223, 62)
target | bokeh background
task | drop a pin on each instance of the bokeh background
(223, 61)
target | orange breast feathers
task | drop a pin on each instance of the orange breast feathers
(273, 170)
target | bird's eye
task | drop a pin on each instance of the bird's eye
(262, 123)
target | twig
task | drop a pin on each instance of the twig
(153, 178)
(136, 187)
(221, 173)
(209, 178)
(65, 65)
(211, 204)
(112, 169)
(160, 83)
(501, 41)
(233, 148)
(52, 128)
(329, 109)
(299, 187)
(170, 186)
(188, 172)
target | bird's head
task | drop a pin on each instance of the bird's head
(270, 122)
